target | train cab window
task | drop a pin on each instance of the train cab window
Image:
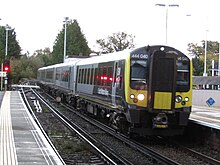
(183, 76)
(139, 74)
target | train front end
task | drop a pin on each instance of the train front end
(158, 90)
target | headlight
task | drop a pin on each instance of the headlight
(186, 99)
(140, 97)
(178, 99)
(132, 96)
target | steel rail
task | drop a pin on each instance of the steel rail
(71, 126)
(39, 125)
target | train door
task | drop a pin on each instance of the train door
(70, 75)
(118, 83)
(162, 81)
(115, 75)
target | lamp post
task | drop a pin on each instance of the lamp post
(167, 6)
(64, 46)
(219, 59)
(1, 71)
(204, 73)
(7, 28)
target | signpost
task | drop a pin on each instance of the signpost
(3, 74)
(210, 102)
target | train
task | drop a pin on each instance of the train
(145, 91)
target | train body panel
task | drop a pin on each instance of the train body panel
(105, 74)
(147, 91)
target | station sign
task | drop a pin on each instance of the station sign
(210, 102)
(3, 74)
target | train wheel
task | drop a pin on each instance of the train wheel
(119, 122)
(63, 98)
(122, 123)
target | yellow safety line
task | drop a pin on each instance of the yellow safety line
(201, 117)
(7, 148)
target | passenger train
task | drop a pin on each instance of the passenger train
(146, 91)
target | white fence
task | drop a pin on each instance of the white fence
(203, 97)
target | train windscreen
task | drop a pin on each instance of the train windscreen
(183, 74)
(138, 74)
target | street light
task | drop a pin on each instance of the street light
(64, 49)
(219, 59)
(167, 6)
(206, 33)
(1, 71)
(204, 73)
(7, 28)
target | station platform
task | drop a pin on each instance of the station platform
(21, 141)
(207, 116)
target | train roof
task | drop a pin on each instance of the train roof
(105, 57)
(70, 63)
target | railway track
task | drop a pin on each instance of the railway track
(127, 150)
(120, 147)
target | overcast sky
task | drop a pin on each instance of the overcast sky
(37, 22)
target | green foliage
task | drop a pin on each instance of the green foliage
(45, 56)
(199, 53)
(117, 42)
(197, 67)
(76, 43)
(26, 67)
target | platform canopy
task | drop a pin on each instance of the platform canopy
(203, 80)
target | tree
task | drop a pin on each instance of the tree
(199, 54)
(44, 55)
(14, 48)
(76, 43)
(117, 42)
(25, 67)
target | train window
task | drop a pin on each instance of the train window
(49, 75)
(139, 74)
(43, 74)
(57, 73)
(78, 74)
(85, 76)
(110, 76)
(82, 76)
(99, 76)
(88, 77)
(104, 77)
(182, 78)
(92, 76)
(65, 74)
(115, 74)
(96, 76)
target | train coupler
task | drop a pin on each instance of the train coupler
(160, 121)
